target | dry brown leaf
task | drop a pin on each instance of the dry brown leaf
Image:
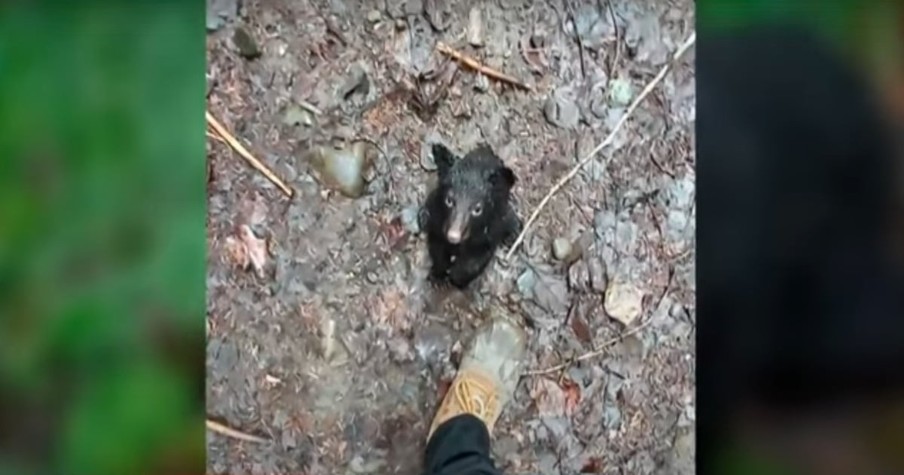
(581, 329)
(236, 252)
(572, 395)
(257, 248)
(593, 465)
(394, 232)
(247, 250)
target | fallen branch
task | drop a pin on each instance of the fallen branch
(475, 65)
(232, 433)
(608, 140)
(238, 147)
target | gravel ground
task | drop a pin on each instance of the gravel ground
(323, 336)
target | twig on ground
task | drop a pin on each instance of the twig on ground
(216, 137)
(219, 129)
(577, 36)
(614, 63)
(593, 354)
(309, 107)
(601, 349)
(621, 122)
(232, 433)
(475, 65)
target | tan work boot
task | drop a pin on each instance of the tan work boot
(489, 372)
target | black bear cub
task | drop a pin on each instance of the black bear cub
(468, 215)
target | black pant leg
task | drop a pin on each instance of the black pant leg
(460, 446)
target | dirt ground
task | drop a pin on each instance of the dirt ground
(323, 336)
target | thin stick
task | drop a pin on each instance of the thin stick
(475, 65)
(216, 137)
(621, 122)
(593, 354)
(229, 432)
(603, 347)
(309, 107)
(247, 155)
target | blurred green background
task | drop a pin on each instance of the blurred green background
(102, 238)
(868, 32)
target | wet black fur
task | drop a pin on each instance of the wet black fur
(483, 176)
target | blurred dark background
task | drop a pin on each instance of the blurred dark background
(102, 242)
(800, 299)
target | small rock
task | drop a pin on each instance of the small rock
(427, 162)
(676, 311)
(561, 111)
(328, 338)
(245, 43)
(623, 302)
(526, 282)
(593, 26)
(374, 16)
(597, 270)
(359, 465)
(562, 249)
(475, 27)
(219, 12)
(357, 82)
(342, 169)
(295, 115)
(621, 92)
(579, 276)
(410, 219)
(482, 83)
(400, 349)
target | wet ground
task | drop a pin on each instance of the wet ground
(324, 337)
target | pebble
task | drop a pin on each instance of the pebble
(561, 249)
(246, 45)
(482, 83)
(296, 115)
(475, 27)
(623, 302)
(410, 219)
(426, 161)
(621, 92)
(374, 16)
(343, 169)
(596, 269)
(561, 111)
(676, 311)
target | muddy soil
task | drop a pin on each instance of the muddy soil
(324, 336)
